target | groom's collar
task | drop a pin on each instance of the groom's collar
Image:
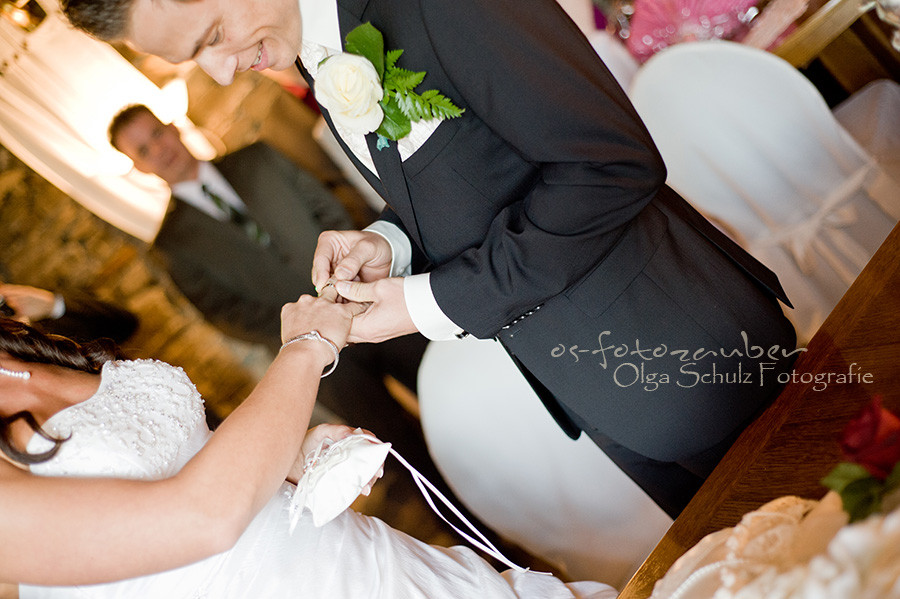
(354, 7)
(319, 23)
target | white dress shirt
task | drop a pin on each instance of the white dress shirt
(322, 38)
(192, 192)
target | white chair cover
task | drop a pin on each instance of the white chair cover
(582, 12)
(609, 47)
(872, 116)
(751, 143)
(615, 56)
(506, 459)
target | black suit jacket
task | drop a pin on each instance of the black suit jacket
(549, 192)
(238, 285)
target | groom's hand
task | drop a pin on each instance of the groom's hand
(350, 256)
(386, 317)
(327, 291)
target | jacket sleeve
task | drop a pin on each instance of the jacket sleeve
(419, 261)
(528, 73)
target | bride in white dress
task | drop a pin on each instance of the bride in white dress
(144, 420)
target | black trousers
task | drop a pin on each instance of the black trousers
(671, 485)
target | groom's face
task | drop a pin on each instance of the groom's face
(223, 37)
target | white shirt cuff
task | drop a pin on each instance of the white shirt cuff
(401, 249)
(59, 307)
(424, 310)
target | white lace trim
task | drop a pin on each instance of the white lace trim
(792, 548)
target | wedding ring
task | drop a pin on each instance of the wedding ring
(328, 283)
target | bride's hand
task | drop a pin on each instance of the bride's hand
(332, 320)
(330, 433)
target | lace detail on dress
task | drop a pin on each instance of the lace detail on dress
(775, 550)
(861, 561)
(764, 538)
(137, 425)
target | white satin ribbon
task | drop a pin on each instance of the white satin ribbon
(359, 463)
(482, 542)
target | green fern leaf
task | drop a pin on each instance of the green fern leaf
(403, 80)
(440, 106)
(390, 59)
(410, 105)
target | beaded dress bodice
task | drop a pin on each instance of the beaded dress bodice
(145, 421)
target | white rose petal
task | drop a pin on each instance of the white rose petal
(347, 85)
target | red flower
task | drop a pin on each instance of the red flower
(872, 440)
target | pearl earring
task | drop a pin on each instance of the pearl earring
(16, 374)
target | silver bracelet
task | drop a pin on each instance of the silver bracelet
(315, 335)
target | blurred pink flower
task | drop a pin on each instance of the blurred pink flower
(657, 24)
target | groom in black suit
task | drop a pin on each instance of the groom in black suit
(539, 217)
(542, 217)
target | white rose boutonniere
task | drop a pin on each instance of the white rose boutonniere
(348, 86)
(364, 90)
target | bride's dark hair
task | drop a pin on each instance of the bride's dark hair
(30, 345)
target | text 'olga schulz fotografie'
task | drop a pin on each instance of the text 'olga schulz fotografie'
(654, 366)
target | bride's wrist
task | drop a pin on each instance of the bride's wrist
(317, 358)
(324, 347)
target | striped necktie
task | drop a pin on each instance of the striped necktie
(250, 226)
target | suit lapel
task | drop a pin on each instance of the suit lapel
(387, 160)
(374, 181)
(391, 182)
(350, 14)
(390, 170)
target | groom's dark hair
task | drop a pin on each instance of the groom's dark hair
(103, 19)
(106, 20)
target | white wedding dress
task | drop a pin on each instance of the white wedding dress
(146, 420)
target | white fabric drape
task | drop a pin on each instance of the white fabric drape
(609, 47)
(872, 116)
(59, 89)
(751, 143)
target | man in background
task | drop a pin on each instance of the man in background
(239, 234)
